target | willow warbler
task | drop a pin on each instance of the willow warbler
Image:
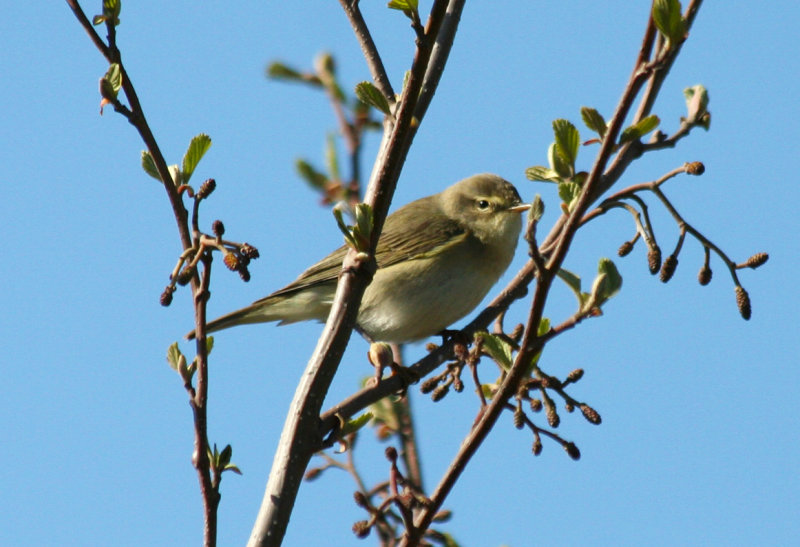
(437, 258)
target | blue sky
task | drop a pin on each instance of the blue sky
(699, 441)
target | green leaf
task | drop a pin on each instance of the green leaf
(668, 19)
(198, 146)
(351, 426)
(173, 355)
(309, 174)
(362, 231)
(209, 344)
(497, 348)
(149, 165)
(557, 162)
(367, 93)
(544, 325)
(613, 278)
(542, 173)
(594, 120)
(111, 82)
(404, 5)
(568, 140)
(697, 104)
(232, 467)
(338, 213)
(572, 280)
(98, 19)
(639, 130)
(175, 173)
(537, 209)
(569, 193)
(331, 156)
(280, 71)
(225, 456)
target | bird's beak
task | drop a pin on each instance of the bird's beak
(519, 208)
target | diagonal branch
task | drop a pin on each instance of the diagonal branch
(301, 434)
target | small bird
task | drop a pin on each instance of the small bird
(437, 258)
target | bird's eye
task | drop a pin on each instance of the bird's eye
(483, 204)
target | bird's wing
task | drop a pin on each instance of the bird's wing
(399, 242)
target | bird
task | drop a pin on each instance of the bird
(437, 259)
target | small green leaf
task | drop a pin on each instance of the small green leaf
(351, 426)
(572, 280)
(568, 140)
(537, 209)
(497, 348)
(668, 19)
(542, 173)
(557, 162)
(308, 173)
(338, 213)
(280, 71)
(209, 344)
(98, 19)
(362, 231)
(111, 82)
(404, 5)
(569, 193)
(175, 173)
(198, 146)
(613, 278)
(331, 156)
(696, 104)
(173, 355)
(594, 120)
(639, 130)
(225, 456)
(544, 325)
(367, 93)
(149, 165)
(232, 467)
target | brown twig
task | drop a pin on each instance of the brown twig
(198, 396)
(301, 433)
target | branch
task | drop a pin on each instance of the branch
(301, 435)
(557, 245)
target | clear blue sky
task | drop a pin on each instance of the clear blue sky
(699, 441)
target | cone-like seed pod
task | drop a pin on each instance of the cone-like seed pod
(743, 302)
(552, 417)
(249, 251)
(537, 446)
(185, 276)
(625, 249)
(695, 168)
(573, 451)
(361, 529)
(704, 276)
(440, 392)
(166, 296)
(590, 414)
(360, 498)
(231, 261)
(519, 418)
(218, 228)
(206, 188)
(757, 260)
(429, 385)
(575, 375)
(668, 268)
(654, 259)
